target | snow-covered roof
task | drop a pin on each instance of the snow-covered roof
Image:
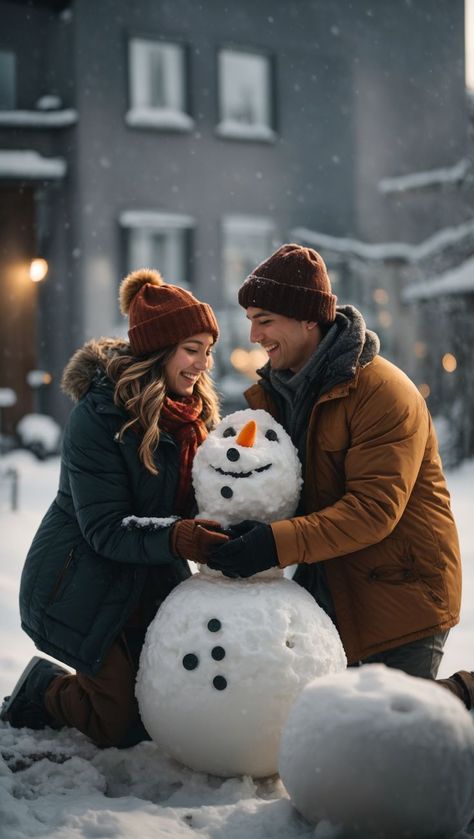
(39, 119)
(385, 250)
(455, 281)
(31, 165)
(155, 219)
(432, 177)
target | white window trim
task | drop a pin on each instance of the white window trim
(156, 220)
(159, 118)
(229, 128)
(154, 116)
(251, 224)
(237, 131)
(39, 119)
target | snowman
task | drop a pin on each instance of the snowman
(224, 659)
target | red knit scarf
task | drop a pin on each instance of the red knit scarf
(183, 420)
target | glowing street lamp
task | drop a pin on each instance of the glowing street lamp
(38, 270)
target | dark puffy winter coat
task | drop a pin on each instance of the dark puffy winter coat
(86, 569)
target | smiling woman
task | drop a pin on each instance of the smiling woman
(191, 358)
(118, 535)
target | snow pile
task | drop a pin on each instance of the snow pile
(40, 433)
(379, 753)
(58, 785)
(221, 665)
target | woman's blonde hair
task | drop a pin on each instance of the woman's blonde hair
(140, 388)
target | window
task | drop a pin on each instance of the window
(157, 77)
(246, 241)
(245, 95)
(158, 240)
(469, 41)
(7, 80)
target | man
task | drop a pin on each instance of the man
(374, 538)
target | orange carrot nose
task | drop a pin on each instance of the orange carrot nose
(246, 435)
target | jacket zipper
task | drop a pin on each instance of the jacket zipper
(62, 574)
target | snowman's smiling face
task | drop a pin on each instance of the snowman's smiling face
(247, 468)
(246, 439)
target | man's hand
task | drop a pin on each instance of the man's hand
(194, 538)
(251, 549)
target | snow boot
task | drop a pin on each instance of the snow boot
(25, 707)
(462, 685)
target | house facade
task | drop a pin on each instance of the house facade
(195, 138)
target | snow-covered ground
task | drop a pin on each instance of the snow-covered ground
(59, 785)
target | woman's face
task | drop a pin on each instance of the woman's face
(191, 358)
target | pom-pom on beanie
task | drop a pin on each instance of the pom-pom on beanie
(293, 282)
(161, 315)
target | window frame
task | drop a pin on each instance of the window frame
(159, 221)
(158, 118)
(253, 133)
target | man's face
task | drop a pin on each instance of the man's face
(289, 343)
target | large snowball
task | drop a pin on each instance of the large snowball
(221, 665)
(234, 482)
(381, 754)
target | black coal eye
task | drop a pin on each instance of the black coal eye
(229, 432)
(271, 435)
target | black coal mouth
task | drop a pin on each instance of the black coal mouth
(241, 474)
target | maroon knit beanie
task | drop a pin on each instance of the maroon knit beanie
(294, 282)
(161, 315)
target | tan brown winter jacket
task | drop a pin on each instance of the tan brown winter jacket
(377, 511)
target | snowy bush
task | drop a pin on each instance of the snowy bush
(39, 433)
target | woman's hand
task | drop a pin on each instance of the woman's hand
(194, 539)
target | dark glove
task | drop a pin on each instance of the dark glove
(252, 549)
(193, 538)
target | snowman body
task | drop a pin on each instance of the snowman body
(224, 659)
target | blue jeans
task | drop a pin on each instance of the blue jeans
(419, 658)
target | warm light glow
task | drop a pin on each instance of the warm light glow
(449, 362)
(380, 296)
(248, 361)
(38, 378)
(258, 358)
(38, 270)
(425, 390)
(469, 43)
(420, 349)
(385, 318)
(239, 359)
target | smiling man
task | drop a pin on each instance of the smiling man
(374, 539)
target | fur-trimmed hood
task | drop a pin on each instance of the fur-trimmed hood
(89, 362)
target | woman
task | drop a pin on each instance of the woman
(111, 548)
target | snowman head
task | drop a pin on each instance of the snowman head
(247, 468)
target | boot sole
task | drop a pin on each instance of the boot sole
(18, 687)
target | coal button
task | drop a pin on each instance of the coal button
(218, 653)
(219, 682)
(226, 492)
(190, 661)
(214, 625)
